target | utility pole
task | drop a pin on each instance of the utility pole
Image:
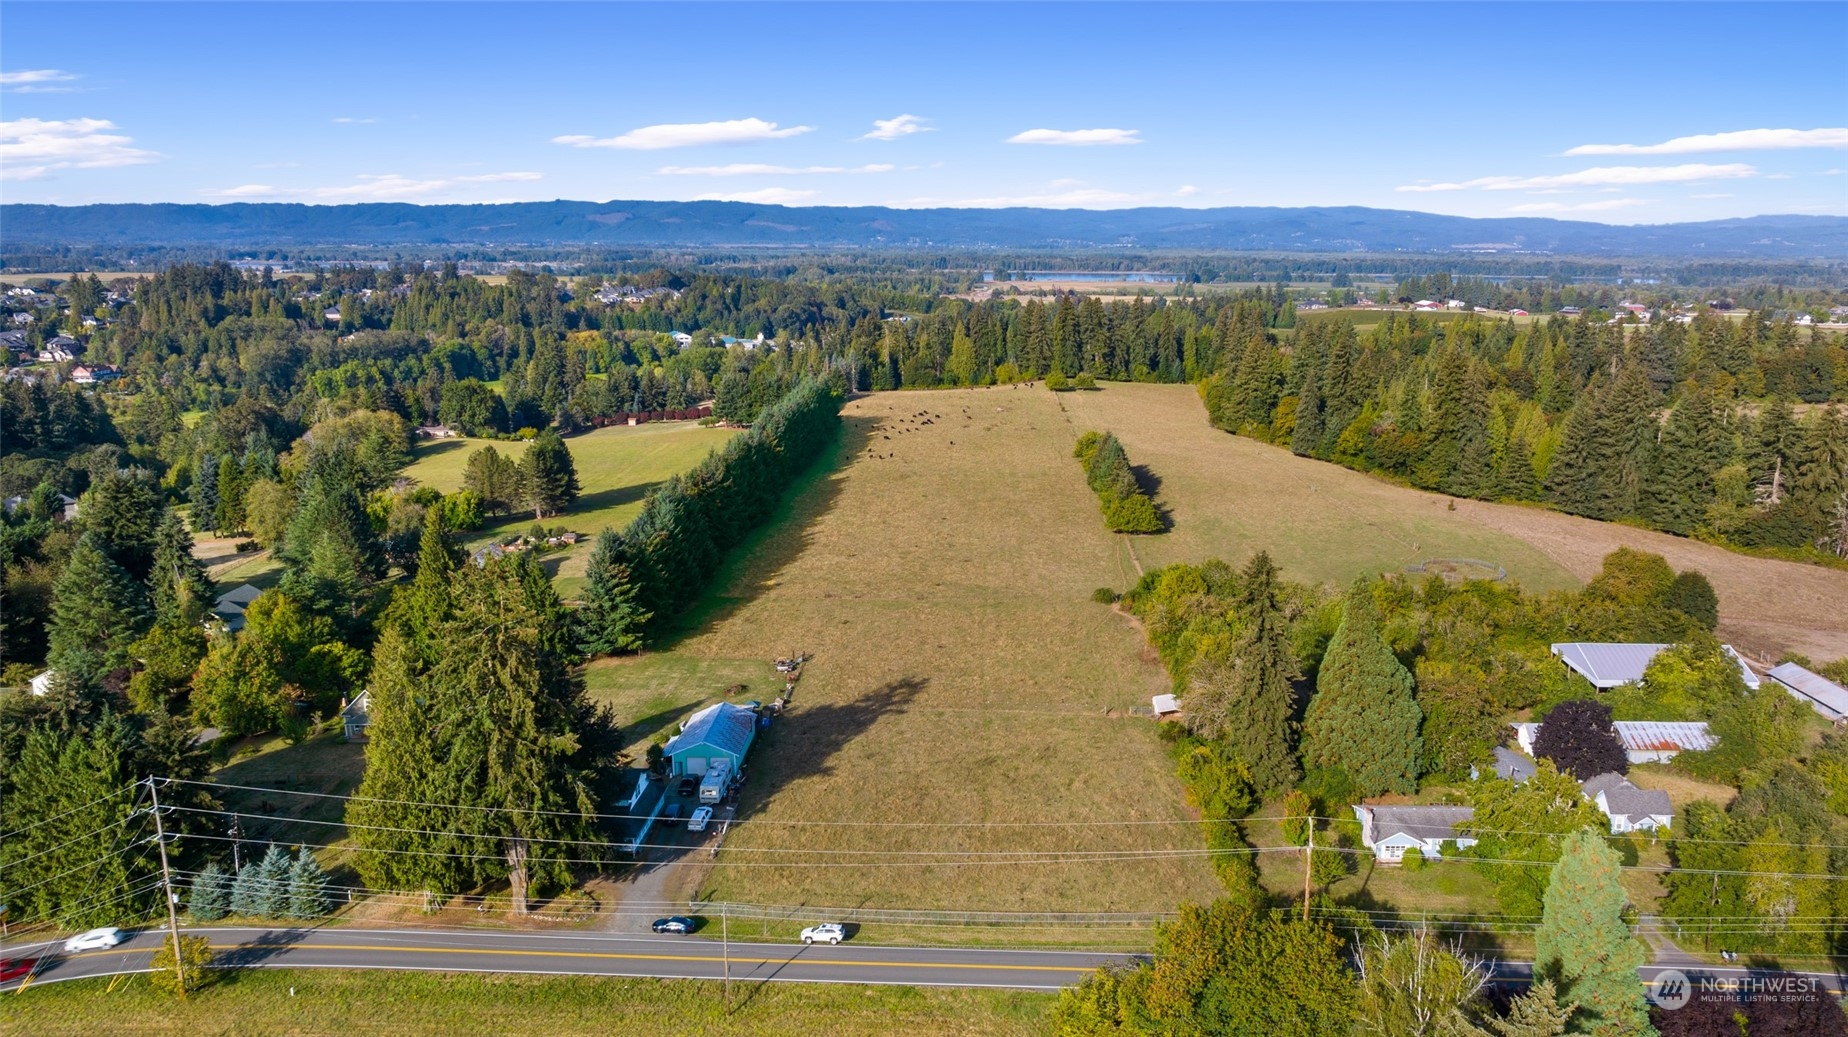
(1308, 864)
(166, 881)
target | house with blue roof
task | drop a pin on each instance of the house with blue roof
(718, 734)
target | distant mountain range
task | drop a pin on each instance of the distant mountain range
(717, 224)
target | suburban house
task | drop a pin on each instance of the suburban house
(718, 734)
(682, 339)
(1389, 831)
(331, 314)
(41, 685)
(1517, 312)
(1644, 741)
(67, 506)
(1610, 664)
(1630, 809)
(435, 432)
(356, 716)
(15, 341)
(55, 355)
(230, 606)
(1818, 692)
(90, 374)
(1427, 304)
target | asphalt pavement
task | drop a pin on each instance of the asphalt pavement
(660, 957)
(585, 954)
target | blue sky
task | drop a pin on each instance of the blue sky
(1623, 114)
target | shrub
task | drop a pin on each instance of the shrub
(1104, 596)
(1414, 859)
(1134, 514)
(195, 957)
(1056, 381)
(1084, 381)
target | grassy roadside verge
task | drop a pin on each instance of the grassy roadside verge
(296, 1001)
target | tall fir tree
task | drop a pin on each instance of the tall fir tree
(180, 590)
(1363, 718)
(1261, 730)
(610, 619)
(97, 611)
(307, 897)
(1695, 445)
(69, 798)
(1584, 945)
(499, 741)
(549, 475)
(205, 491)
(231, 485)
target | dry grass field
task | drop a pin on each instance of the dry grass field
(1229, 497)
(617, 467)
(965, 697)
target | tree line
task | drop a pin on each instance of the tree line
(1127, 509)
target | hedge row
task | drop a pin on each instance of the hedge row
(1106, 467)
(676, 545)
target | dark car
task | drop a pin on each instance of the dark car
(688, 786)
(13, 968)
(678, 924)
(671, 816)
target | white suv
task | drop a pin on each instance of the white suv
(830, 932)
(94, 940)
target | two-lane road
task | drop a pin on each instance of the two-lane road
(584, 954)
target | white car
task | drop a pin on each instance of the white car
(95, 940)
(829, 932)
(697, 823)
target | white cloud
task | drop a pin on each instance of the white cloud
(37, 81)
(760, 169)
(896, 127)
(1602, 205)
(243, 191)
(1737, 140)
(1596, 177)
(348, 120)
(1077, 138)
(1718, 195)
(1187, 191)
(762, 196)
(687, 135)
(32, 148)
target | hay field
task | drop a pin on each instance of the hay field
(1230, 496)
(616, 467)
(940, 575)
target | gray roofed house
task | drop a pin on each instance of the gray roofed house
(1509, 765)
(1630, 809)
(718, 733)
(356, 716)
(1608, 664)
(230, 606)
(1389, 831)
(1822, 694)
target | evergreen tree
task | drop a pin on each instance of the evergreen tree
(1628, 416)
(180, 590)
(1260, 730)
(549, 475)
(268, 895)
(122, 512)
(332, 553)
(1308, 431)
(1583, 944)
(1363, 718)
(502, 735)
(98, 610)
(230, 514)
(67, 805)
(1695, 445)
(210, 898)
(307, 896)
(1576, 481)
(1537, 1013)
(610, 620)
(494, 478)
(205, 491)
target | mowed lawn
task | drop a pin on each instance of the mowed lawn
(1230, 497)
(616, 467)
(965, 697)
(333, 1001)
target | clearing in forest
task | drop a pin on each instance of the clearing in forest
(616, 466)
